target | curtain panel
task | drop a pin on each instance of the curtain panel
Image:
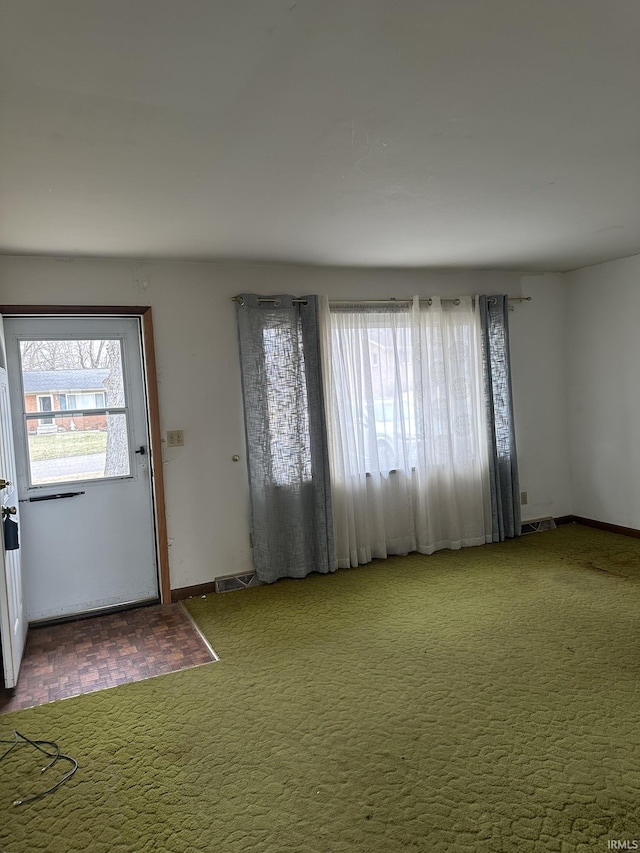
(503, 463)
(290, 494)
(406, 426)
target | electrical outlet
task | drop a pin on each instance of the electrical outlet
(524, 498)
(175, 438)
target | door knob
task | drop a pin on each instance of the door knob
(142, 451)
(4, 484)
(9, 510)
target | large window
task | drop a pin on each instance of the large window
(406, 383)
(407, 434)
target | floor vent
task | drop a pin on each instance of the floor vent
(229, 583)
(538, 525)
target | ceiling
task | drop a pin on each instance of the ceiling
(446, 133)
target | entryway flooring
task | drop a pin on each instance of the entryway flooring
(72, 658)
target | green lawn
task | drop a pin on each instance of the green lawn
(66, 444)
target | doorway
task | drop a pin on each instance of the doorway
(83, 469)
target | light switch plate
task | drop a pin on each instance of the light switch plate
(175, 438)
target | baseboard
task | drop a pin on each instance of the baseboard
(209, 587)
(191, 591)
(604, 525)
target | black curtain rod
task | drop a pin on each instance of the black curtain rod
(390, 301)
(273, 299)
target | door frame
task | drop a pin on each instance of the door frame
(155, 435)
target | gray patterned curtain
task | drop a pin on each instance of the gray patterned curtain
(291, 516)
(503, 463)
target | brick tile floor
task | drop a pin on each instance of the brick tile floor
(103, 651)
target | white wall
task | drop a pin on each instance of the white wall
(199, 381)
(604, 403)
(537, 331)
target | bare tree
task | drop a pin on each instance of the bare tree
(63, 355)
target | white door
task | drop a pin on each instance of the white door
(13, 617)
(83, 470)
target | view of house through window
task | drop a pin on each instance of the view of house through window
(74, 410)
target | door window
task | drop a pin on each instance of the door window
(80, 385)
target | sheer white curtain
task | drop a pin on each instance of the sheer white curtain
(406, 428)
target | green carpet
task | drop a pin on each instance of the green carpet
(482, 701)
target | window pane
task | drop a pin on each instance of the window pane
(78, 447)
(87, 401)
(72, 374)
(405, 389)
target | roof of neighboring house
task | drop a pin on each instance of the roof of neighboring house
(36, 381)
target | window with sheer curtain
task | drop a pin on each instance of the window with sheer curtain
(406, 427)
